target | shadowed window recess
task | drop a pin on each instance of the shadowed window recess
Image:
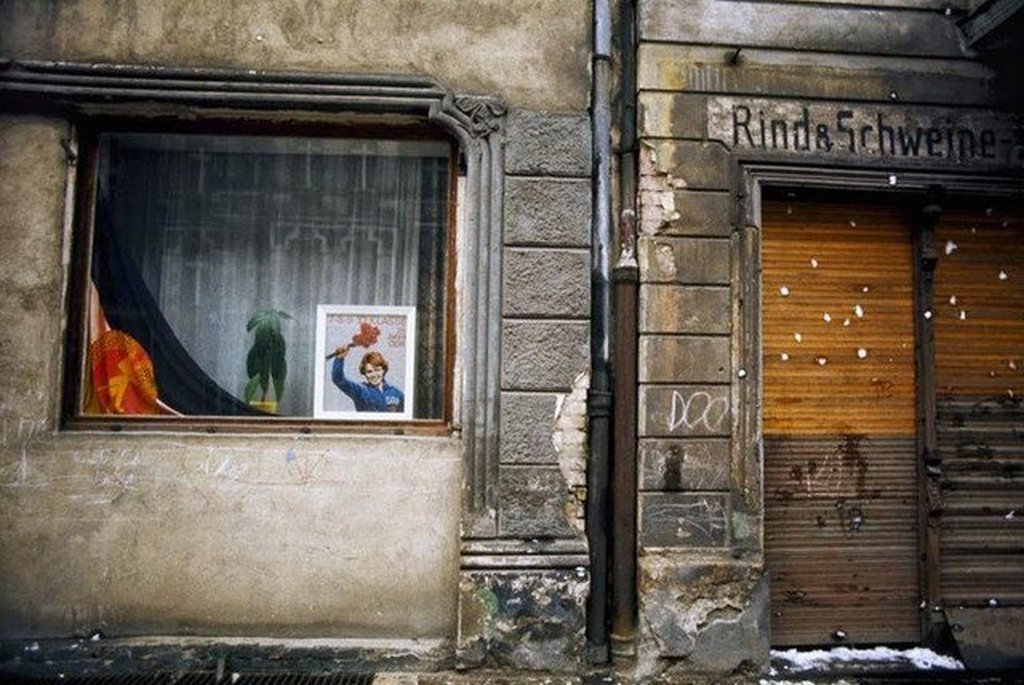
(226, 271)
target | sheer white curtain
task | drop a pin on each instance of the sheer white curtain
(225, 226)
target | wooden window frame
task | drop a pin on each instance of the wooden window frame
(77, 91)
(90, 130)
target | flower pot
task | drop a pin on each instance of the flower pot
(267, 406)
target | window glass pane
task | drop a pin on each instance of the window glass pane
(199, 241)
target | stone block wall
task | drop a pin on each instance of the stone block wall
(522, 591)
(698, 607)
(702, 583)
(545, 319)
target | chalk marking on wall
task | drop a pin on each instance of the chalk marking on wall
(690, 519)
(222, 467)
(304, 469)
(700, 411)
(19, 434)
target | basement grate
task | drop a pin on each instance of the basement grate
(196, 678)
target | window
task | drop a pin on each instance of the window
(220, 265)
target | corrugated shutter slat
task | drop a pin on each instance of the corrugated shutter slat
(839, 423)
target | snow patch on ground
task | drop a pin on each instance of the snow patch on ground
(793, 660)
(802, 682)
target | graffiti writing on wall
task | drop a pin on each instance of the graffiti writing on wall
(698, 411)
(678, 520)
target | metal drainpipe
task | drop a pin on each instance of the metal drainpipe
(626, 276)
(599, 397)
(623, 485)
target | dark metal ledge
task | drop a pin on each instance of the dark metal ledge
(64, 84)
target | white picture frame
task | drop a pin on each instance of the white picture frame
(357, 399)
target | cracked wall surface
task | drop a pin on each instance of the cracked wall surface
(703, 589)
(523, 619)
(528, 54)
(289, 535)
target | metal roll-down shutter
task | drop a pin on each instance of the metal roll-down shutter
(839, 423)
(979, 370)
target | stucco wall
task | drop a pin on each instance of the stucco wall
(191, 534)
(531, 54)
(283, 535)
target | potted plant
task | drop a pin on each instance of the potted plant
(265, 363)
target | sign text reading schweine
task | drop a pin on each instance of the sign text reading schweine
(932, 134)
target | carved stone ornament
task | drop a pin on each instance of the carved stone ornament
(481, 115)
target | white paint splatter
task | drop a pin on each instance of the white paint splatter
(1011, 515)
(826, 317)
(963, 315)
(822, 361)
(859, 311)
(853, 224)
(814, 263)
(950, 247)
(784, 356)
(1003, 276)
(865, 289)
(952, 299)
(846, 322)
(784, 291)
(798, 337)
(862, 353)
(928, 314)
(892, 179)
(742, 373)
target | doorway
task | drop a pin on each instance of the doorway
(839, 421)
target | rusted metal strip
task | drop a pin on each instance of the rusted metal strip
(626, 277)
(928, 463)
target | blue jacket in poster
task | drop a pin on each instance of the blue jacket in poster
(386, 398)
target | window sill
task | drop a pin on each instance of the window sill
(231, 426)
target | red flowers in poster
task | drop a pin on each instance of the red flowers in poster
(367, 335)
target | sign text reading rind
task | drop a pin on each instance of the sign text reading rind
(900, 134)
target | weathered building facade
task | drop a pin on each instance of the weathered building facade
(389, 537)
(829, 433)
(813, 436)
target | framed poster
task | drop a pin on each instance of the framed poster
(364, 362)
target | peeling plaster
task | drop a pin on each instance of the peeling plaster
(666, 261)
(570, 441)
(657, 193)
